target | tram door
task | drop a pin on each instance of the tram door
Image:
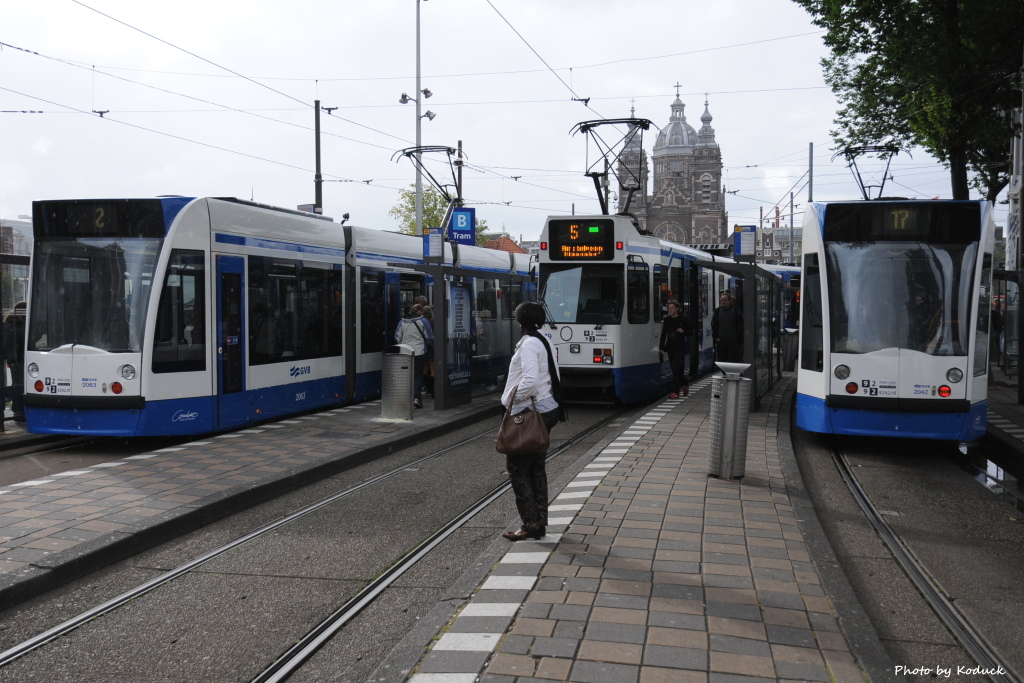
(232, 405)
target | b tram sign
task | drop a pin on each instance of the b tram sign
(744, 240)
(463, 226)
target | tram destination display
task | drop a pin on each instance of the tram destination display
(945, 222)
(591, 239)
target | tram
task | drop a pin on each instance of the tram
(605, 287)
(175, 315)
(894, 318)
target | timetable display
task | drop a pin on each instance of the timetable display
(577, 240)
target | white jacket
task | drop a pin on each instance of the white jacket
(529, 372)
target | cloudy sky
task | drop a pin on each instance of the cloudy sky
(215, 98)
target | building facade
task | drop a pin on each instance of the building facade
(682, 201)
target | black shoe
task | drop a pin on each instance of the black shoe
(418, 403)
(521, 534)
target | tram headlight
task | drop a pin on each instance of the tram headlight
(128, 372)
(842, 371)
(955, 375)
(33, 370)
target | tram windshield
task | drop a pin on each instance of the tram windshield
(908, 295)
(92, 291)
(590, 294)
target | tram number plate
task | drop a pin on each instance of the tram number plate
(878, 387)
(57, 386)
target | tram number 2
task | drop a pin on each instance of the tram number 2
(301, 396)
(588, 336)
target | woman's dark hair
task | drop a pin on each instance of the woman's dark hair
(530, 315)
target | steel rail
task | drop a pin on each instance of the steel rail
(293, 659)
(27, 646)
(972, 641)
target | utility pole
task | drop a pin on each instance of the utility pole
(791, 217)
(458, 182)
(318, 181)
(810, 172)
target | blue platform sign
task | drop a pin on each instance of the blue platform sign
(744, 240)
(463, 226)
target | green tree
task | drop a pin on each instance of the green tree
(434, 208)
(939, 74)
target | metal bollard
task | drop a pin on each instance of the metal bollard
(396, 383)
(730, 411)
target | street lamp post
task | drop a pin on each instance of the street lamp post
(419, 119)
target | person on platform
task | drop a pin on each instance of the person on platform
(675, 328)
(532, 375)
(14, 352)
(414, 331)
(727, 330)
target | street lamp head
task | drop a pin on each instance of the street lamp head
(429, 114)
(426, 92)
(404, 99)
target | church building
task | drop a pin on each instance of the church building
(686, 203)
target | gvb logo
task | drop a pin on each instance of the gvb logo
(297, 371)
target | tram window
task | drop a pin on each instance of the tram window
(295, 310)
(512, 296)
(179, 344)
(371, 312)
(638, 288)
(812, 331)
(486, 300)
(662, 293)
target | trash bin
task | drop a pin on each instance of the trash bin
(396, 383)
(790, 345)
(730, 411)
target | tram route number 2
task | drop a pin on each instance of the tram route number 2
(57, 386)
(594, 336)
(878, 387)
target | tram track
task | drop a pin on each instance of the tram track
(969, 637)
(307, 645)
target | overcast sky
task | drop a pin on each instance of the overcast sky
(215, 98)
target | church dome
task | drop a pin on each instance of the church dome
(678, 137)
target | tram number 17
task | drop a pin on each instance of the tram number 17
(900, 218)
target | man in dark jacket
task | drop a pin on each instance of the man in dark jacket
(674, 330)
(14, 351)
(727, 331)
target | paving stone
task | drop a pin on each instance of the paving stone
(786, 635)
(734, 610)
(676, 657)
(623, 601)
(555, 647)
(448, 661)
(673, 620)
(569, 612)
(603, 672)
(616, 633)
(740, 646)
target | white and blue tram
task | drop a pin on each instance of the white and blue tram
(895, 318)
(605, 287)
(174, 315)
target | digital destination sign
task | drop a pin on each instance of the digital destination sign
(573, 239)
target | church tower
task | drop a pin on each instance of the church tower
(687, 203)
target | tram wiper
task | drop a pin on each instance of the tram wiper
(550, 318)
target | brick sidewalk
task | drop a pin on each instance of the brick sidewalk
(661, 574)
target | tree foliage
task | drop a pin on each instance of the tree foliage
(434, 208)
(939, 74)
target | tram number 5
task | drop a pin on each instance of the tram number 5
(99, 220)
(900, 218)
(574, 231)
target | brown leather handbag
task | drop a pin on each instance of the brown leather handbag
(522, 434)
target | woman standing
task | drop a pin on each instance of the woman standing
(533, 375)
(674, 329)
(414, 331)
